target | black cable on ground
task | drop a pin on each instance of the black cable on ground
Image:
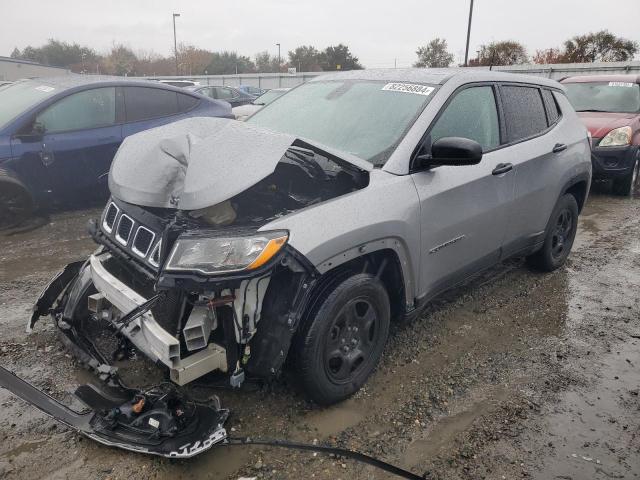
(359, 457)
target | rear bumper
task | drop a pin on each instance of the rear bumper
(613, 162)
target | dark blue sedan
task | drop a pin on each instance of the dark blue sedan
(58, 136)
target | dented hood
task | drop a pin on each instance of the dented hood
(194, 163)
(200, 162)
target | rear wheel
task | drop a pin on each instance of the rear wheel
(627, 186)
(342, 338)
(560, 233)
(16, 203)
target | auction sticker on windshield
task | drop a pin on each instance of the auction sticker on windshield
(409, 88)
(620, 84)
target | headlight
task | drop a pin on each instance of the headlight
(617, 138)
(225, 254)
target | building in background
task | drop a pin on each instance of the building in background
(13, 69)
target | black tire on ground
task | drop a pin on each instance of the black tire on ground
(626, 186)
(16, 203)
(341, 338)
(560, 233)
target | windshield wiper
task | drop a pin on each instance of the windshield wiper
(592, 110)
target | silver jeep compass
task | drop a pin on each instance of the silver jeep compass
(351, 200)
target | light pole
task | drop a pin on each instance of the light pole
(466, 52)
(278, 45)
(175, 42)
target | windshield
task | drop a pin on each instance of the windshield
(622, 97)
(365, 118)
(268, 97)
(19, 97)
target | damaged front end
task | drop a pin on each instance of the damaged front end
(187, 274)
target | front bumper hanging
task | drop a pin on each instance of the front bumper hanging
(163, 423)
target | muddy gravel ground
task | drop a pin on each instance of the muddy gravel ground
(516, 374)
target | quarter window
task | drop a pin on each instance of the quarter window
(142, 103)
(186, 102)
(553, 113)
(523, 112)
(79, 111)
(471, 114)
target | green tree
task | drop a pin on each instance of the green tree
(120, 61)
(266, 63)
(59, 54)
(305, 58)
(602, 46)
(339, 57)
(227, 63)
(434, 54)
(507, 52)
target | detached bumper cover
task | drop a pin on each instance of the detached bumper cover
(611, 162)
(198, 431)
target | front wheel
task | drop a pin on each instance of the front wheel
(342, 338)
(560, 233)
(16, 204)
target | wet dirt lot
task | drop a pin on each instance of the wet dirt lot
(514, 375)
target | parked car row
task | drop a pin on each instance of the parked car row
(609, 106)
(58, 136)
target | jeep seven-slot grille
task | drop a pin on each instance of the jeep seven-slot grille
(142, 241)
(125, 225)
(133, 237)
(110, 217)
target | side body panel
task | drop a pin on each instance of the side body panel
(463, 213)
(541, 174)
(384, 215)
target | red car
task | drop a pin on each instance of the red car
(609, 106)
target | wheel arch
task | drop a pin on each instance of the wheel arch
(377, 258)
(578, 186)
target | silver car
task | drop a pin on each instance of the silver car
(353, 200)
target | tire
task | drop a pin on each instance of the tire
(560, 234)
(626, 186)
(16, 203)
(342, 338)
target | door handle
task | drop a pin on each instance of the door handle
(502, 168)
(559, 147)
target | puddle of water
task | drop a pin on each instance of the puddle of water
(591, 430)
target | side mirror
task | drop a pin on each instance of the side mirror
(453, 151)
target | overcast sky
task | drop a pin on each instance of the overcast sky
(378, 32)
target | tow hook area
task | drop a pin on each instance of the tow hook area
(160, 421)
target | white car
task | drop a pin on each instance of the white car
(245, 111)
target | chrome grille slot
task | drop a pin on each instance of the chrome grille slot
(125, 226)
(110, 217)
(142, 241)
(154, 259)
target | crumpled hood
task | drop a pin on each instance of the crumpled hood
(601, 123)
(194, 163)
(200, 162)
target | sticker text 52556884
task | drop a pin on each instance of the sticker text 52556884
(409, 88)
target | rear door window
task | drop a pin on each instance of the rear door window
(524, 112)
(553, 113)
(142, 103)
(224, 93)
(471, 114)
(79, 111)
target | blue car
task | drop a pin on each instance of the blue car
(58, 136)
